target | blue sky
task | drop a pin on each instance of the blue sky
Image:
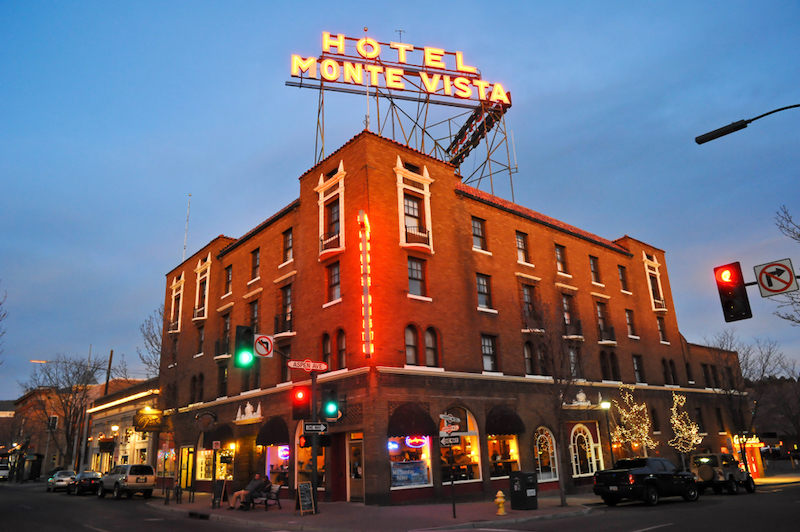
(112, 113)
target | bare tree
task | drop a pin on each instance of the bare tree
(558, 355)
(152, 329)
(746, 371)
(782, 398)
(64, 384)
(790, 303)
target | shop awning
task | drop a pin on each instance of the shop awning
(274, 432)
(411, 420)
(501, 420)
(220, 433)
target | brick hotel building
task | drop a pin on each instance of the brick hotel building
(461, 283)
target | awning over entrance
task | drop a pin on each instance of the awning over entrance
(220, 433)
(411, 420)
(501, 420)
(274, 432)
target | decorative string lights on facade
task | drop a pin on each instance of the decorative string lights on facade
(635, 424)
(687, 432)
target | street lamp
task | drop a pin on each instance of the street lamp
(736, 126)
(606, 405)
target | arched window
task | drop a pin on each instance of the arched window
(665, 371)
(326, 350)
(529, 363)
(411, 346)
(605, 366)
(587, 456)
(466, 456)
(615, 367)
(431, 350)
(674, 371)
(545, 450)
(340, 342)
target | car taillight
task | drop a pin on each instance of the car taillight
(124, 478)
(631, 478)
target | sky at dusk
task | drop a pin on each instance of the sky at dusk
(112, 113)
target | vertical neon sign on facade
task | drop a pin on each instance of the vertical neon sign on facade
(367, 336)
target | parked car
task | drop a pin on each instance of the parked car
(718, 471)
(84, 481)
(128, 479)
(60, 479)
(644, 479)
(4, 471)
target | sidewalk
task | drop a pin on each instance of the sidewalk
(357, 517)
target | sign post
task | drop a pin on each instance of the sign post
(448, 441)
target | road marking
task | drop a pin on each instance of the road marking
(653, 527)
(26, 507)
(96, 529)
(155, 519)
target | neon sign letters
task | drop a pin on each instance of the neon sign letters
(440, 73)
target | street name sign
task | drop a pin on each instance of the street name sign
(264, 345)
(307, 365)
(314, 427)
(776, 278)
(449, 441)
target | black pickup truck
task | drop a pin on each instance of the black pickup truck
(644, 479)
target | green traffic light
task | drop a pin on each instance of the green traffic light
(331, 409)
(245, 358)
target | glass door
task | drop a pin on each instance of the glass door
(356, 476)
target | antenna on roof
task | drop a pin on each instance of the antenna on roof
(186, 233)
(366, 92)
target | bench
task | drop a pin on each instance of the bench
(272, 496)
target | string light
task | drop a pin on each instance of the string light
(687, 432)
(635, 424)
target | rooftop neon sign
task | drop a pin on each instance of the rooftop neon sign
(436, 72)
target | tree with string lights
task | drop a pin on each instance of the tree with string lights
(687, 432)
(635, 424)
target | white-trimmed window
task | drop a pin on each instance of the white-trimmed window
(484, 291)
(416, 277)
(587, 457)
(594, 267)
(202, 275)
(414, 205)
(466, 456)
(651, 267)
(288, 253)
(544, 447)
(561, 259)
(522, 248)
(489, 352)
(334, 282)
(479, 233)
(330, 190)
(177, 301)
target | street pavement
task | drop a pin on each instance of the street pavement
(356, 517)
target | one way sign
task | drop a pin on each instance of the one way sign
(775, 278)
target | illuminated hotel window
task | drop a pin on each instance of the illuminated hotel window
(414, 205)
(277, 463)
(464, 457)
(303, 459)
(545, 449)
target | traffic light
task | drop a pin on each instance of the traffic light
(244, 355)
(732, 292)
(301, 402)
(330, 404)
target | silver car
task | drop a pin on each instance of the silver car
(128, 479)
(60, 480)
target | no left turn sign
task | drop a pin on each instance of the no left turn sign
(775, 278)
(264, 345)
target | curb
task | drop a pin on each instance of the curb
(584, 510)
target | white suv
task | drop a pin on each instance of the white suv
(128, 479)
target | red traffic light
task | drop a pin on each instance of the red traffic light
(725, 275)
(301, 403)
(299, 395)
(732, 292)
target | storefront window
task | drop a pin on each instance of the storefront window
(545, 449)
(166, 463)
(205, 464)
(304, 459)
(587, 456)
(278, 463)
(503, 455)
(410, 461)
(224, 464)
(461, 461)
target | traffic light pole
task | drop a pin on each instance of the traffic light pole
(314, 439)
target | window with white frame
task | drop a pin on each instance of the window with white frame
(288, 243)
(522, 248)
(177, 299)
(414, 205)
(330, 191)
(416, 277)
(544, 448)
(202, 275)
(479, 233)
(651, 266)
(587, 457)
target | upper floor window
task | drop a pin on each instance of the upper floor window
(566, 305)
(489, 352)
(698, 418)
(254, 316)
(575, 367)
(623, 278)
(561, 259)
(530, 319)
(527, 352)
(255, 259)
(285, 319)
(342, 350)
(662, 329)
(411, 346)
(334, 287)
(652, 268)
(330, 190)
(594, 267)
(666, 372)
(431, 349)
(478, 233)
(201, 335)
(629, 321)
(707, 375)
(175, 311)
(326, 350)
(638, 369)
(332, 219)
(286, 371)
(222, 380)
(413, 205)
(484, 291)
(203, 272)
(522, 248)
(229, 279)
(288, 253)
(416, 277)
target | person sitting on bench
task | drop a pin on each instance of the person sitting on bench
(245, 496)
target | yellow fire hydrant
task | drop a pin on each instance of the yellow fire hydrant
(500, 501)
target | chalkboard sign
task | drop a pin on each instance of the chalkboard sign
(219, 490)
(304, 500)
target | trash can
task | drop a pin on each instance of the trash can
(523, 486)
